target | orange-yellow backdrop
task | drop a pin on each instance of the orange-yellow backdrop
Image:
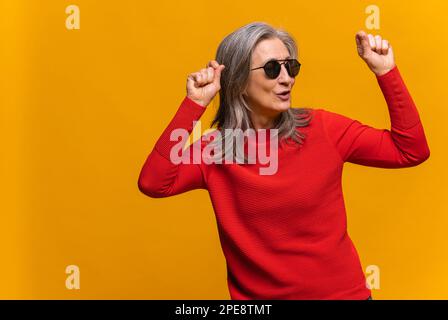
(81, 110)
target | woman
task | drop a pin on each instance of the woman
(284, 236)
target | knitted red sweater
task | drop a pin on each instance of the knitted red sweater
(284, 236)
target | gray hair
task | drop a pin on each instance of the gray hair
(235, 52)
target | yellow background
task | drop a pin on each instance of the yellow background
(82, 109)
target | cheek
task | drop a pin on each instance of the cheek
(261, 87)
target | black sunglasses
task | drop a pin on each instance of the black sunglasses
(272, 68)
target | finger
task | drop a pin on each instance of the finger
(385, 47)
(203, 75)
(218, 75)
(210, 74)
(362, 41)
(194, 79)
(214, 64)
(192, 76)
(390, 53)
(372, 42)
(378, 42)
(200, 79)
(190, 79)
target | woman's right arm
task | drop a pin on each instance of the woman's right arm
(162, 175)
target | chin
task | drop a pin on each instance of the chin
(277, 107)
(283, 106)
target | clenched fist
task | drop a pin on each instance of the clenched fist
(376, 52)
(202, 86)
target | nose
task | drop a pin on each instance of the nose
(284, 76)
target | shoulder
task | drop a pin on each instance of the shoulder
(328, 116)
(327, 119)
(310, 114)
(305, 111)
(324, 112)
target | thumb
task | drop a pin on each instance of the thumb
(218, 74)
(390, 50)
(190, 81)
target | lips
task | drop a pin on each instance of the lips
(284, 95)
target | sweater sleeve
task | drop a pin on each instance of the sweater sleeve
(404, 145)
(161, 177)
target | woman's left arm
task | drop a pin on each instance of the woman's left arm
(404, 145)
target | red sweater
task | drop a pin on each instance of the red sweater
(284, 236)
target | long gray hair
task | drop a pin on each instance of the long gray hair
(235, 52)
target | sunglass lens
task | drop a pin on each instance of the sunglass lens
(293, 67)
(272, 69)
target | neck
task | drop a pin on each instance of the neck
(263, 121)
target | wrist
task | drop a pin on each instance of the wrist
(198, 102)
(383, 72)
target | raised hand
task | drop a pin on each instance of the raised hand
(202, 86)
(376, 52)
